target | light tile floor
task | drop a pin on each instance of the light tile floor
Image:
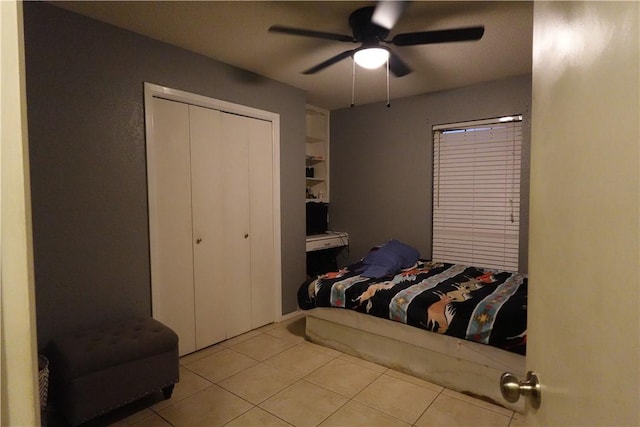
(273, 377)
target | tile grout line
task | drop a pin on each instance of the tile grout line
(473, 402)
(429, 405)
(332, 357)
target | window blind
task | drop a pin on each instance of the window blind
(476, 193)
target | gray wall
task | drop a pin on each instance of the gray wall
(87, 159)
(381, 162)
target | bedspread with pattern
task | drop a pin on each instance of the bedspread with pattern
(476, 304)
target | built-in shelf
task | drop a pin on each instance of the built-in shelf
(317, 154)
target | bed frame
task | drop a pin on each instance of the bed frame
(460, 365)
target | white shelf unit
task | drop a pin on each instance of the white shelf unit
(317, 154)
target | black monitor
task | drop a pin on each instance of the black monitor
(317, 218)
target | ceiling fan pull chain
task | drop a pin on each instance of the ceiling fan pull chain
(353, 85)
(388, 101)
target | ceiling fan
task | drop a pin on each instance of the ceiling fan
(371, 26)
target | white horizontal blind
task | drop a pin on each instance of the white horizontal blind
(476, 193)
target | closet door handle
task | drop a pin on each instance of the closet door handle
(198, 241)
(246, 235)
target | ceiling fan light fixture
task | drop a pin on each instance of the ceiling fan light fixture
(371, 58)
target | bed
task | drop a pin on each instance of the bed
(455, 325)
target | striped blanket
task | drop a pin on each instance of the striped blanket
(476, 304)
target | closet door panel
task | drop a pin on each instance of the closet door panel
(235, 200)
(209, 234)
(170, 220)
(261, 222)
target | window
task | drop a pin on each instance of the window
(476, 192)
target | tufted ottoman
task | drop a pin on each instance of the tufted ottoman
(98, 370)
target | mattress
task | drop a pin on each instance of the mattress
(484, 306)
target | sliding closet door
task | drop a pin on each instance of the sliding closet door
(208, 183)
(237, 285)
(261, 222)
(170, 220)
(211, 213)
(232, 189)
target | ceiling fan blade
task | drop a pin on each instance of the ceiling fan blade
(310, 33)
(388, 12)
(439, 36)
(330, 61)
(397, 66)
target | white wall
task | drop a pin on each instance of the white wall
(18, 373)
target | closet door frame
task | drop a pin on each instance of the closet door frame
(156, 91)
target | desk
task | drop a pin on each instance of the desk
(322, 251)
(330, 239)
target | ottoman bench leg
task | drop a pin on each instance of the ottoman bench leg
(168, 391)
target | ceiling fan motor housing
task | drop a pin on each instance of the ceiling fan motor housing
(364, 30)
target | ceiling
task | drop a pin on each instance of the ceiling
(235, 32)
